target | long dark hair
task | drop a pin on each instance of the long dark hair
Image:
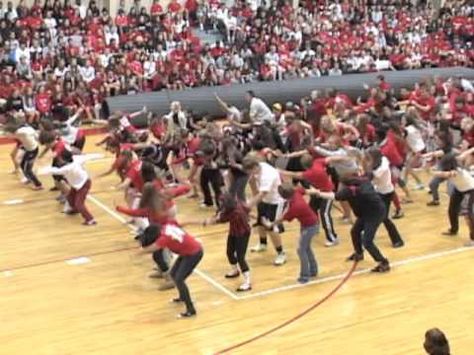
(376, 156)
(151, 198)
(448, 162)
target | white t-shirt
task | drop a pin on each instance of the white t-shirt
(74, 172)
(28, 138)
(414, 139)
(268, 181)
(382, 180)
(259, 111)
(463, 181)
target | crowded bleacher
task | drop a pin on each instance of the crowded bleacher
(64, 54)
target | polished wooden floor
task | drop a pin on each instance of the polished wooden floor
(69, 289)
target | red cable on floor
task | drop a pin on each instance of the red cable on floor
(274, 329)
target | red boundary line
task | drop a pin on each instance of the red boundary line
(87, 131)
(291, 320)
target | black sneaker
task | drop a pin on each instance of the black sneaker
(355, 257)
(232, 274)
(450, 232)
(398, 214)
(187, 314)
(384, 266)
(399, 244)
(176, 300)
(433, 203)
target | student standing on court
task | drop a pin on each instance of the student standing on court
(28, 138)
(78, 179)
(316, 174)
(189, 252)
(309, 226)
(463, 183)
(269, 204)
(369, 210)
(378, 167)
(235, 212)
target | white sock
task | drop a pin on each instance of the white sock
(67, 207)
(247, 277)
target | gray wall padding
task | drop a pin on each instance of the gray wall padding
(202, 99)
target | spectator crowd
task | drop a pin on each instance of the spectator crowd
(58, 55)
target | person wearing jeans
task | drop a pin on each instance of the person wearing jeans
(308, 263)
(316, 174)
(298, 208)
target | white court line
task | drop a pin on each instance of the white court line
(216, 284)
(358, 272)
(198, 272)
(78, 261)
(13, 202)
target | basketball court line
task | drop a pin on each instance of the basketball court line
(356, 273)
(203, 275)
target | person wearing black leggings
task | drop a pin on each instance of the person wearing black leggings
(379, 168)
(369, 210)
(189, 252)
(210, 173)
(236, 213)
(455, 202)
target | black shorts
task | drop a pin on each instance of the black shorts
(271, 212)
(467, 204)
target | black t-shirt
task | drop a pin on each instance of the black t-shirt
(365, 202)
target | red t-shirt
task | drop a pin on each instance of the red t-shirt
(317, 176)
(174, 6)
(43, 103)
(430, 102)
(177, 240)
(158, 130)
(298, 208)
(58, 147)
(238, 220)
(390, 150)
(156, 9)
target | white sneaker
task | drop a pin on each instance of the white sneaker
(333, 243)
(419, 187)
(258, 248)
(24, 180)
(280, 259)
(470, 243)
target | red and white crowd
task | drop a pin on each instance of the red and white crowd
(58, 54)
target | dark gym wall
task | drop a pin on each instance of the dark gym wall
(202, 99)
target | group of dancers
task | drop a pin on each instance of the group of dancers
(339, 154)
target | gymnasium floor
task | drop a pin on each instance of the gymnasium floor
(69, 289)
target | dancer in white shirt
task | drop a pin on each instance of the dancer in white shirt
(78, 178)
(378, 166)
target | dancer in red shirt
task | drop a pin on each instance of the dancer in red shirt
(190, 252)
(158, 208)
(298, 208)
(316, 174)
